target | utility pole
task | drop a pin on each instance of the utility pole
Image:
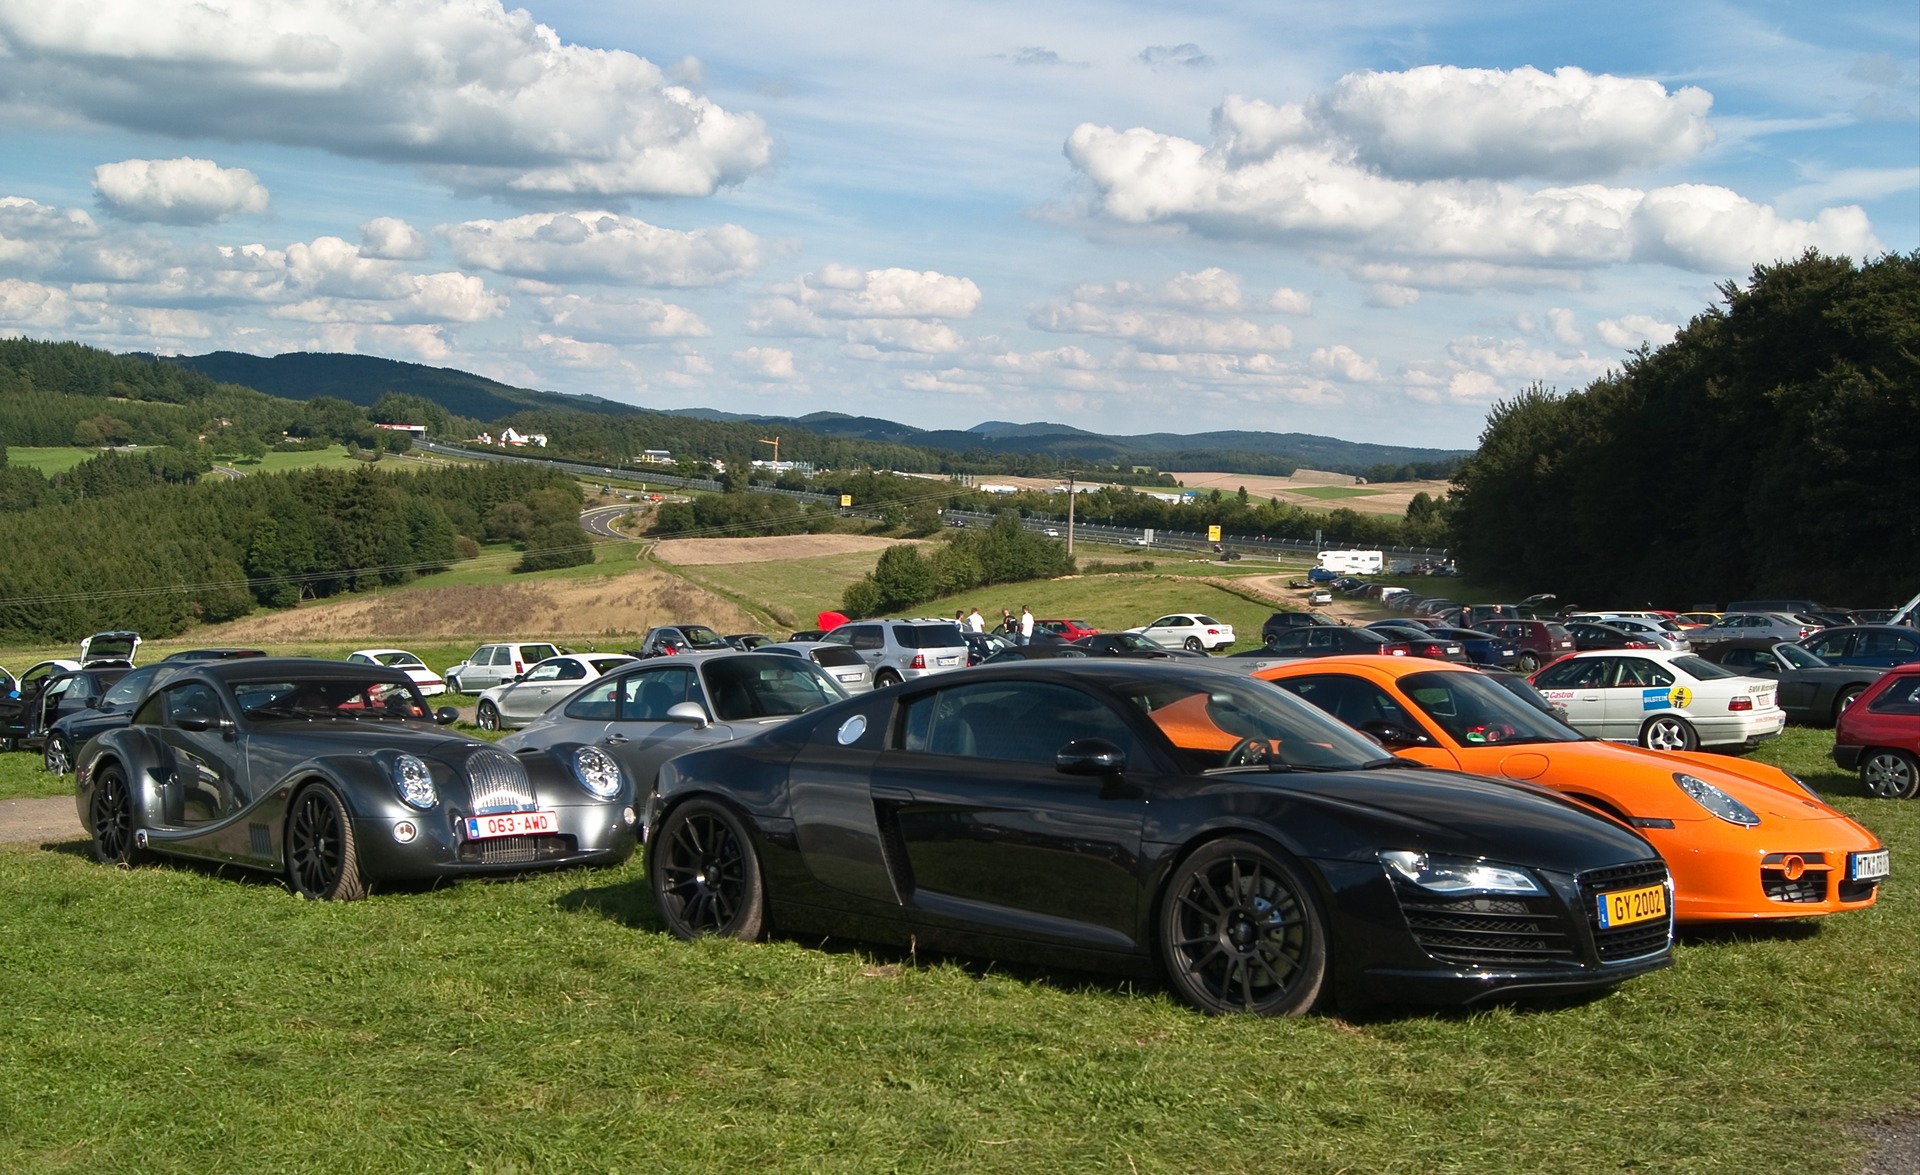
(1070, 497)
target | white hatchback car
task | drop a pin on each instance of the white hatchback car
(1661, 700)
(521, 700)
(1188, 630)
(427, 680)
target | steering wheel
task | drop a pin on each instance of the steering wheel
(1493, 732)
(1250, 752)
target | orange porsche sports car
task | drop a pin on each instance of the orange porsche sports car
(1743, 840)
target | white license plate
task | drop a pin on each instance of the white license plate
(512, 824)
(1869, 866)
(947, 660)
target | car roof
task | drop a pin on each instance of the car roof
(1391, 667)
(257, 668)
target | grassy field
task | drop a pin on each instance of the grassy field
(186, 1019)
(49, 460)
(1333, 493)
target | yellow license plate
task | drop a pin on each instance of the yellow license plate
(1624, 907)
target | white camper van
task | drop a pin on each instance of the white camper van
(1352, 562)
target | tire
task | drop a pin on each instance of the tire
(453, 686)
(1526, 664)
(323, 860)
(1669, 732)
(488, 716)
(1890, 775)
(9, 744)
(1846, 697)
(1193, 645)
(1240, 930)
(885, 678)
(110, 819)
(56, 757)
(706, 878)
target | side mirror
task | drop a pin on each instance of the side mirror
(1394, 737)
(202, 722)
(692, 712)
(446, 716)
(1090, 756)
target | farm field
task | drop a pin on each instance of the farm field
(175, 1018)
(49, 459)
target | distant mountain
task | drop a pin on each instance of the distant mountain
(362, 379)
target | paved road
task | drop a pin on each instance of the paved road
(599, 521)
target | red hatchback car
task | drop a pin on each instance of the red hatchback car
(1066, 630)
(1880, 735)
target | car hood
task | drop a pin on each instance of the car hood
(352, 737)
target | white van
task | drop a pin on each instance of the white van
(1353, 562)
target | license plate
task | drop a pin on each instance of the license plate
(512, 824)
(947, 660)
(1869, 866)
(1624, 907)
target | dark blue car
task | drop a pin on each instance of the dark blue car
(1882, 645)
(1483, 648)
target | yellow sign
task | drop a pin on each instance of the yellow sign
(1213, 534)
(846, 499)
(1680, 696)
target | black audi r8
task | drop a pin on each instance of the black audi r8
(336, 775)
(1137, 815)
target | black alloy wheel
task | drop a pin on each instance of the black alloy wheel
(323, 862)
(1890, 774)
(1240, 930)
(705, 876)
(487, 717)
(55, 756)
(110, 819)
(1193, 645)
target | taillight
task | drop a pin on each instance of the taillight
(919, 661)
(1742, 702)
(519, 668)
(1213, 632)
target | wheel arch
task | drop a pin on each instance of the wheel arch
(1268, 838)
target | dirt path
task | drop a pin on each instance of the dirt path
(28, 821)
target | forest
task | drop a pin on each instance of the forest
(1772, 448)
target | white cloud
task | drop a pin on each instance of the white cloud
(1182, 56)
(604, 246)
(768, 363)
(1160, 331)
(1276, 174)
(1343, 362)
(614, 320)
(1630, 330)
(391, 238)
(879, 312)
(1290, 302)
(482, 97)
(24, 304)
(1388, 296)
(177, 191)
(1565, 329)
(1440, 121)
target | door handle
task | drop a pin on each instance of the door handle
(896, 795)
(614, 739)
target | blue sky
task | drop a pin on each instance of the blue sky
(1365, 221)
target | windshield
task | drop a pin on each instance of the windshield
(699, 636)
(1229, 723)
(1475, 712)
(128, 689)
(340, 697)
(744, 688)
(399, 660)
(1798, 658)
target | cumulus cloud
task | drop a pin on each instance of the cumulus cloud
(482, 97)
(615, 320)
(177, 191)
(1290, 302)
(770, 363)
(1629, 331)
(1565, 329)
(1183, 56)
(1288, 174)
(604, 246)
(1036, 55)
(1162, 331)
(391, 238)
(1441, 121)
(1343, 362)
(878, 311)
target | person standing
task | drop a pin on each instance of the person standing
(976, 622)
(1026, 625)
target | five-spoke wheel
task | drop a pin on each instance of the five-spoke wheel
(705, 876)
(1194, 646)
(1667, 732)
(323, 861)
(1240, 930)
(1890, 774)
(56, 756)
(488, 716)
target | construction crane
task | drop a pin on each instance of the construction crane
(775, 442)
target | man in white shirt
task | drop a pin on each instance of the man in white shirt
(976, 622)
(1026, 625)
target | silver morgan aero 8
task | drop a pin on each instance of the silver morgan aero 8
(338, 777)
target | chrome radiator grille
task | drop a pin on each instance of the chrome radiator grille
(499, 783)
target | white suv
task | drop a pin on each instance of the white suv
(901, 649)
(491, 665)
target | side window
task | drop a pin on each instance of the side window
(194, 699)
(596, 704)
(569, 671)
(127, 689)
(543, 673)
(497, 655)
(1349, 699)
(1828, 646)
(1586, 673)
(646, 697)
(1317, 639)
(1741, 658)
(1901, 697)
(1022, 722)
(868, 636)
(839, 636)
(1886, 644)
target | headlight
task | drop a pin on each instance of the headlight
(596, 771)
(414, 782)
(1457, 875)
(1716, 801)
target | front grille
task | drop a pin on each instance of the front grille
(1810, 886)
(517, 850)
(1486, 931)
(498, 783)
(1640, 938)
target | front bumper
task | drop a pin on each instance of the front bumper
(427, 845)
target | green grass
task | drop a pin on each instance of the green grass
(1331, 493)
(51, 459)
(193, 1019)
